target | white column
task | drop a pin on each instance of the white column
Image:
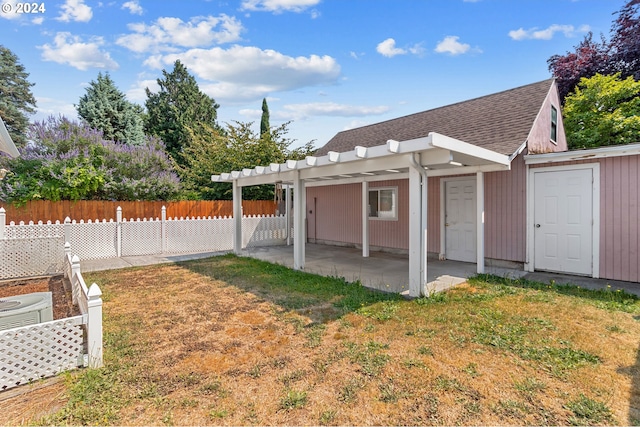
(425, 241)
(237, 217)
(94, 326)
(480, 222)
(3, 222)
(299, 214)
(287, 208)
(365, 219)
(415, 234)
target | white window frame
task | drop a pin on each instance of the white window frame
(391, 215)
(553, 124)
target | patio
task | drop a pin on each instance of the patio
(381, 270)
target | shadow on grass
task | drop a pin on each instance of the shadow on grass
(321, 298)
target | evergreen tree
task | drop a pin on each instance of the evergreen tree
(105, 107)
(178, 109)
(264, 121)
(16, 99)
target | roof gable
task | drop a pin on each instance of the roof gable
(500, 122)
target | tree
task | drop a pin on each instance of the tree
(105, 107)
(588, 59)
(16, 99)
(72, 161)
(235, 148)
(625, 42)
(603, 110)
(264, 121)
(178, 109)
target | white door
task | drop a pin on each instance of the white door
(460, 220)
(563, 221)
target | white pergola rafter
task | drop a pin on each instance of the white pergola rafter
(417, 159)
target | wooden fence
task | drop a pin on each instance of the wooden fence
(44, 210)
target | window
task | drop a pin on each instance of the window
(554, 124)
(383, 203)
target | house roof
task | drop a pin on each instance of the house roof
(499, 122)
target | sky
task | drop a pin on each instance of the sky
(324, 66)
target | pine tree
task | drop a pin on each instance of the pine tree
(177, 109)
(264, 121)
(105, 107)
(16, 99)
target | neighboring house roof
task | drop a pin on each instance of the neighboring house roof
(6, 143)
(500, 122)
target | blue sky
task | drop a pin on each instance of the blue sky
(325, 65)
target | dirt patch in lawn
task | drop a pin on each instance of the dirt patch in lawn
(230, 341)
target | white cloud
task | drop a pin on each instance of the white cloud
(11, 6)
(133, 7)
(53, 107)
(388, 48)
(243, 72)
(452, 46)
(138, 93)
(167, 34)
(69, 49)
(75, 10)
(547, 33)
(279, 6)
(327, 109)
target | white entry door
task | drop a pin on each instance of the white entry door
(460, 220)
(563, 221)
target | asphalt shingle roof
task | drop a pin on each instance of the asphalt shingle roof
(499, 122)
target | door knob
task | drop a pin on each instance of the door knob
(446, 224)
(537, 225)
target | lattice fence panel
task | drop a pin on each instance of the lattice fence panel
(193, 235)
(141, 238)
(264, 230)
(94, 240)
(27, 231)
(34, 256)
(39, 351)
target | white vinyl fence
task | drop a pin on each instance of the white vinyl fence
(33, 352)
(36, 249)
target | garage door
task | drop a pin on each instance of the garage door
(563, 221)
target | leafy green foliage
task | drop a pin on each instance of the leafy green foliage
(264, 120)
(603, 110)
(105, 107)
(70, 161)
(177, 109)
(16, 99)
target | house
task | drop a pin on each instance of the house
(488, 180)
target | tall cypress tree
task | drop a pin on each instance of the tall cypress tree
(16, 99)
(264, 121)
(105, 107)
(179, 106)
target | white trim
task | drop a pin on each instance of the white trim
(358, 180)
(480, 222)
(6, 143)
(596, 153)
(595, 226)
(365, 219)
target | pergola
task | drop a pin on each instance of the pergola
(416, 159)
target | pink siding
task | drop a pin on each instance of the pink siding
(539, 140)
(337, 214)
(505, 213)
(619, 216)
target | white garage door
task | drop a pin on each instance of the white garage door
(563, 221)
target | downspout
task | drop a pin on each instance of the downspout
(415, 164)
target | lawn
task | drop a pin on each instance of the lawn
(237, 341)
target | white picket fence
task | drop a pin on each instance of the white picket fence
(35, 248)
(33, 352)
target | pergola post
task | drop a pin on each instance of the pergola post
(299, 214)
(365, 219)
(415, 234)
(287, 208)
(480, 222)
(237, 217)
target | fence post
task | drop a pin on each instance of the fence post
(75, 269)
(94, 326)
(3, 222)
(163, 229)
(67, 229)
(119, 231)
